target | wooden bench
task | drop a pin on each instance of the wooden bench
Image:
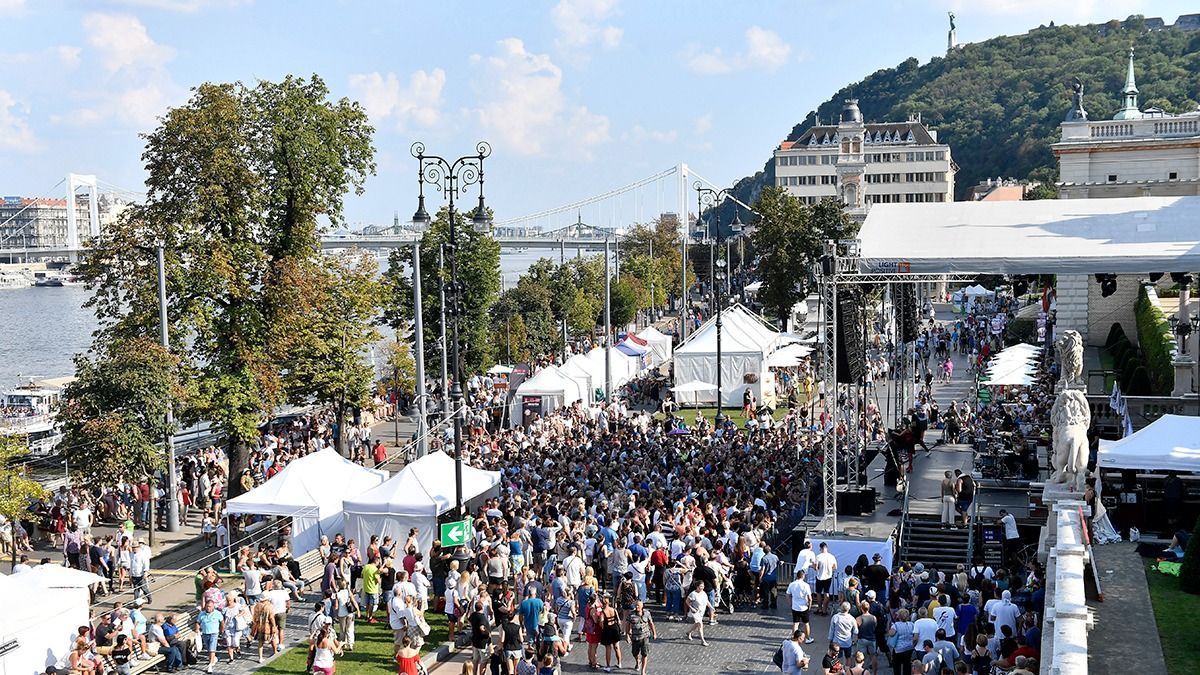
(312, 567)
(137, 664)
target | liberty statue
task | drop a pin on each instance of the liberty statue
(951, 37)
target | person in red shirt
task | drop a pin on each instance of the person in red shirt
(379, 453)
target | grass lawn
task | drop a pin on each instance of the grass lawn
(373, 651)
(1178, 617)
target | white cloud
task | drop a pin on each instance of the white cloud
(123, 42)
(68, 55)
(764, 49)
(386, 98)
(138, 88)
(703, 123)
(15, 134)
(11, 6)
(582, 22)
(525, 106)
(640, 134)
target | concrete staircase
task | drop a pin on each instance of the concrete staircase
(926, 542)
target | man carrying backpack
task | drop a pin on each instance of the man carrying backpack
(790, 658)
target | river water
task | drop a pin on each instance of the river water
(41, 329)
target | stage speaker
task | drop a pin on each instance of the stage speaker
(850, 358)
(799, 534)
(867, 503)
(905, 306)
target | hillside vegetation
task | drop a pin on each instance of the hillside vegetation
(998, 103)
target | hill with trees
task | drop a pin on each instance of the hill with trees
(998, 103)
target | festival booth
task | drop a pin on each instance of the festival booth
(579, 368)
(746, 342)
(623, 367)
(1013, 366)
(415, 497)
(660, 345)
(46, 605)
(547, 391)
(1169, 443)
(310, 491)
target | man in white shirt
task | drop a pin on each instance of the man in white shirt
(825, 564)
(945, 616)
(795, 661)
(924, 628)
(281, 602)
(22, 566)
(1005, 613)
(573, 568)
(1012, 536)
(139, 569)
(805, 558)
(800, 596)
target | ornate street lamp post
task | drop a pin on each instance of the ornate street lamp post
(710, 198)
(450, 177)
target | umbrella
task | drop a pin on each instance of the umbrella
(678, 432)
(499, 369)
(692, 387)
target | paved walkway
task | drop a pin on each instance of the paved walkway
(1125, 638)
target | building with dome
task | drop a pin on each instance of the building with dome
(864, 163)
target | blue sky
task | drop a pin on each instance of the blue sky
(576, 96)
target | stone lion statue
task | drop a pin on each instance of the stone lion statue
(1068, 349)
(1070, 418)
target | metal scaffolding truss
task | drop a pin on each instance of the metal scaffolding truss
(845, 272)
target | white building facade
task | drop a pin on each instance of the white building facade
(866, 163)
(1138, 153)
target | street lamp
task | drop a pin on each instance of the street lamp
(708, 197)
(450, 177)
(1182, 329)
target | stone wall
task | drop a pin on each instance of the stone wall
(1103, 312)
(1067, 621)
(1072, 304)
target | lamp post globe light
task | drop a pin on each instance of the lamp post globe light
(1182, 329)
(709, 198)
(451, 178)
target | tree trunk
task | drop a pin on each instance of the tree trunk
(239, 460)
(339, 442)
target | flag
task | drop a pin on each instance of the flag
(1114, 401)
(1128, 426)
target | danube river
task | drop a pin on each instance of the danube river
(41, 329)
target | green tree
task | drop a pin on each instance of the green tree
(115, 422)
(1041, 191)
(396, 290)
(335, 301)
(790, 238)
(662, 234)
(623, 299)
(239, 181)
(479, 278)
(18, 493)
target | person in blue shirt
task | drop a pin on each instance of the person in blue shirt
(530, 610)
(209, 624)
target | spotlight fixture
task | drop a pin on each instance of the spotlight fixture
(1108, 284)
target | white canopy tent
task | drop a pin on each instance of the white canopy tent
(660, 345)
(548, 390)
(1015, 365)
(1169, 443)
(788, 355)
(415, 497)
(47, 604)
(577, 367)
(1131, 235)
(623, 367)
(746, 342)
(310, 490)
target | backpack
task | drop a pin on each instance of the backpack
(777, 659)
(976, 580)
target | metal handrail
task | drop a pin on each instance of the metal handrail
(903, 519)
(971, 532)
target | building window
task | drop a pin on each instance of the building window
(1112, 177)
(1172, 176)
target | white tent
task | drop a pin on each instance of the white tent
(578, 368)
(1015, 365)
(46, 606)
(1170, 443)
(746, 342)
(415, 497)
(788, 355)
(1065, 236)
(548, 390)
(310, 490)
(977, 291)
(623, 367)
(660, 345)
